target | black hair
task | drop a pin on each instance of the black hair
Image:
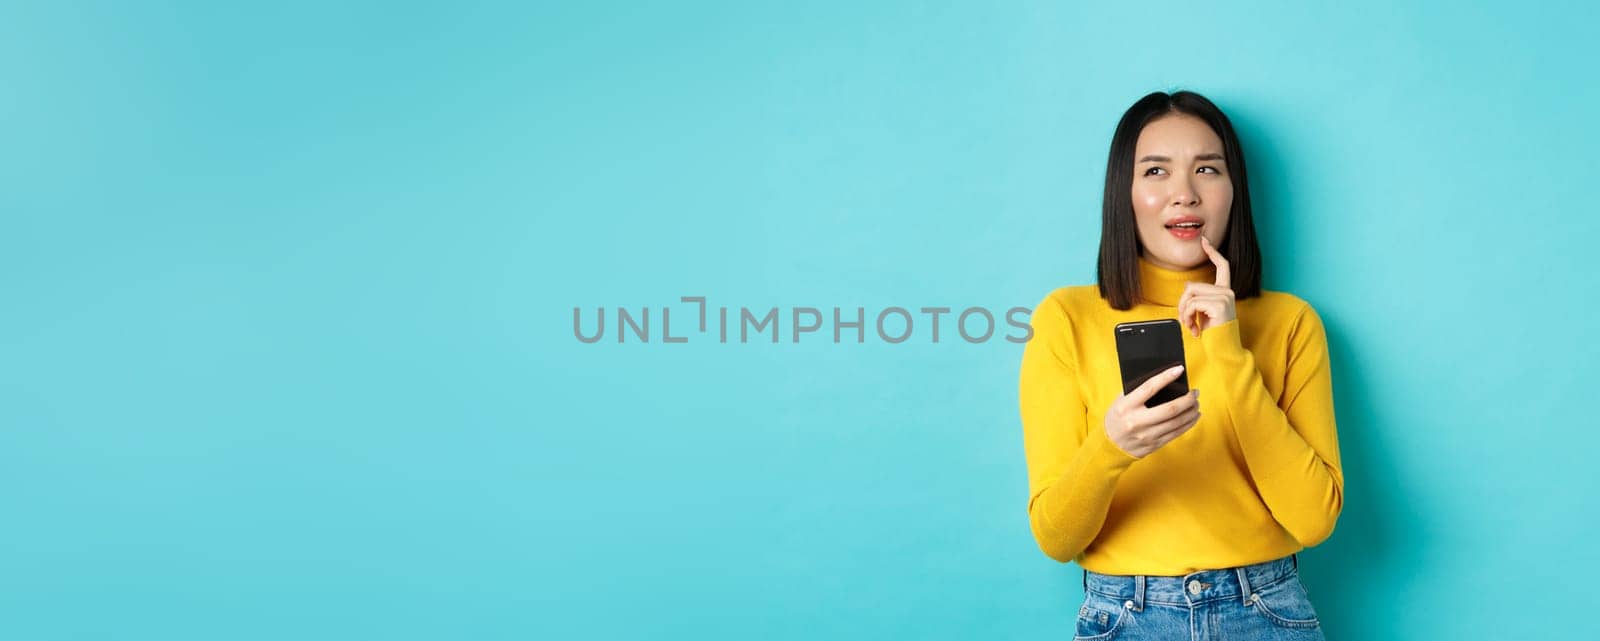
(1119, 235)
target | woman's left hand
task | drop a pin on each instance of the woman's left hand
(1204, 306)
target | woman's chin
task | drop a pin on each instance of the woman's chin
(1182, 260)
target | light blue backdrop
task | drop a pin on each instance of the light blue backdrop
(286, 348)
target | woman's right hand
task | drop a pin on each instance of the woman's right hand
(1140, 430)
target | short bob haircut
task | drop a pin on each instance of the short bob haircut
(1120, 248)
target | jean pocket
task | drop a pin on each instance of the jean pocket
(1099, 619)
(1285, 604)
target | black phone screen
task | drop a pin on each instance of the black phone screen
(1147, 348)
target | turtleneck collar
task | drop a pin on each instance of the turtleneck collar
(1162, 286)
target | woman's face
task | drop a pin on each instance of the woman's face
(1179, 176)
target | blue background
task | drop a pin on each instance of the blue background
(286, 349)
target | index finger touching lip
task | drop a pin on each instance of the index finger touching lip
(1223, 277)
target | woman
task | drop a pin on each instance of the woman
(1186, 516)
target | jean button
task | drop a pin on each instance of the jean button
(1194, 587)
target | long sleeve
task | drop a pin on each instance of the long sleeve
(1072, 467)
(1292, 449)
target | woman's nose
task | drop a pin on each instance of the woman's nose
(1185, 194)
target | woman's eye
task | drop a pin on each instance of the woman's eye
(1153, 170)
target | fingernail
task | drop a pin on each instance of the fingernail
(1175, 369)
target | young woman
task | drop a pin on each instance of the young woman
(1186, 516)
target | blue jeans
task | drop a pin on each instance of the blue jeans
(1260, 601)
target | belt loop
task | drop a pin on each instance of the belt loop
(1138, 593)
(1244, 584)
(1085, 582)
(1296, 559)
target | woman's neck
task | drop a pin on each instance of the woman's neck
(1162, 286)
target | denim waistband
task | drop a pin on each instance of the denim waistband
(1194, 587)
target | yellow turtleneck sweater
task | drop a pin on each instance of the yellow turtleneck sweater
(1256, 479)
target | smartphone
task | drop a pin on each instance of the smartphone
(1147, 348)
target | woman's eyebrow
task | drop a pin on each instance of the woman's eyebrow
(1204, 156)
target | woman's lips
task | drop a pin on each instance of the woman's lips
(1190, 228)
(1185, 233)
